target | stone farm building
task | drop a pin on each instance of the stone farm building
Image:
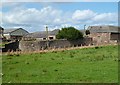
(14, 34)
(104, 34)
(42, 35)
(1, 32)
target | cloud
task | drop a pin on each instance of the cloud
(83, 14)
(31, 16)
(35, 19)
(106, 17)
(90, 17)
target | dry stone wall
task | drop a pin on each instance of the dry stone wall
(41, 45)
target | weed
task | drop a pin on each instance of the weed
(44, 70)
(55, 70)
(54, 51)
(17, 54)
(10, 55)
(27, 62)
(15, 62)
(71, 55)
(52, 59)
(9, 58)
(96, 47)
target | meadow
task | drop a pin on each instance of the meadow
(87, 65)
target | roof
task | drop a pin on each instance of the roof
(108, 29)
(37, 35)
(54, 32)
(42, 34)
(11, 30)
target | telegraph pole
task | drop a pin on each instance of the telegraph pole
(84, 30)
(47, 37)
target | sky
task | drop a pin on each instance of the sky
(34, 16)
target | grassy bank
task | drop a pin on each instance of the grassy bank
(87, 65)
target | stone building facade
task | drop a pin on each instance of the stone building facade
(102, 35)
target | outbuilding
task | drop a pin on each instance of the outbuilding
(104, 34)
(15, 34)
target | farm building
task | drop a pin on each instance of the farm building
(42, 35)
(104, 34)
(1, 32)
(14, 34)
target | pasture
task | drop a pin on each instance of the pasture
(87, 65)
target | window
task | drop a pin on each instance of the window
(50, 38)
(44, 38)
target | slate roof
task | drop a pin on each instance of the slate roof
(104, 29)
(54, 32)
(42, 34)
(11, 30)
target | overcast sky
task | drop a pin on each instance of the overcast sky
(34, 16)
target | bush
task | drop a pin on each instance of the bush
(69, 33)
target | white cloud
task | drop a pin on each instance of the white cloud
(90, 17)
(83, 14)
(32, 16)
(106, 17)
(34, 19)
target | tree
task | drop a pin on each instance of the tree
(87, 32)
(69, 33)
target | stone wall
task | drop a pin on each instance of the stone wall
(13, 46)
(41, 45)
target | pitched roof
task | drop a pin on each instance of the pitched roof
(54, 32)
(8, 30)
(104, 29)
(11, 30)
(42, 34)
(37, 35)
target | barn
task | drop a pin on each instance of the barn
(42, 35)
(14, 34)
(104, 34)
(1, 32)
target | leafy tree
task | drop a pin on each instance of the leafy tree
(69, 33)
(87, 32)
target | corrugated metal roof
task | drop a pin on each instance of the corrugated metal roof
(104, 29)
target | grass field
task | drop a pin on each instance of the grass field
(87, 65)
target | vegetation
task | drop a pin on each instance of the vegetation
(87, 65)
(69, 33)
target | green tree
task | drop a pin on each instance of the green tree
(69, 33)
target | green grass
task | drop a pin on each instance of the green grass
(88, 65)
